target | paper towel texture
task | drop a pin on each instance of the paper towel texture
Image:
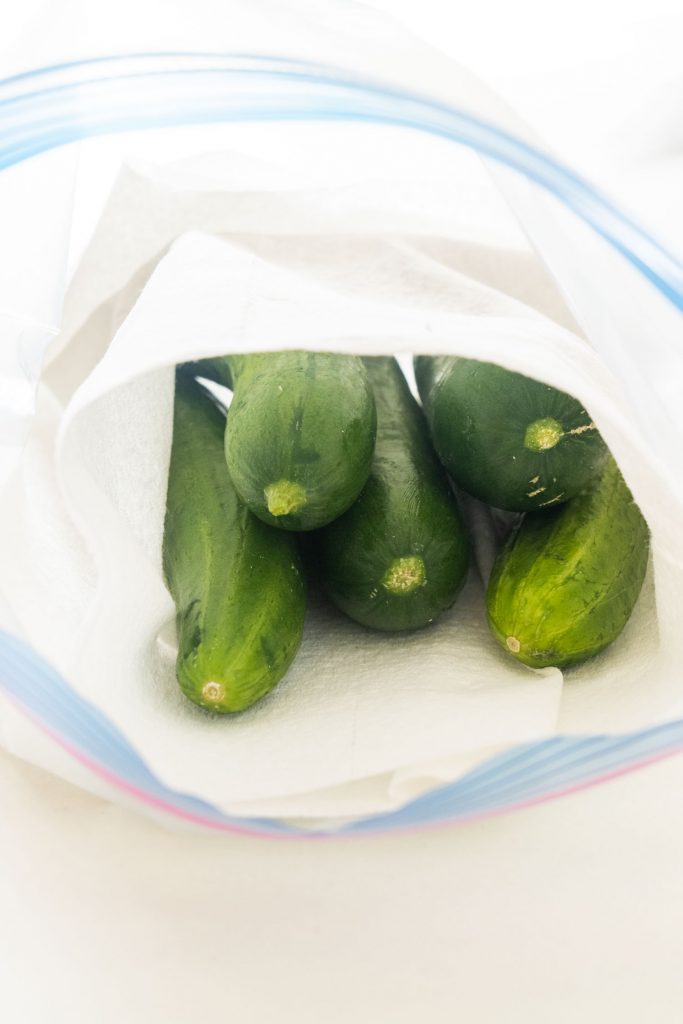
(362, 720)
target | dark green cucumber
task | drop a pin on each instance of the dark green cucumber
(512, 442)
(398, 557)
(237, 584)
(564, 586)
(300, 435)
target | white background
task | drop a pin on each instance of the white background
(571, 911)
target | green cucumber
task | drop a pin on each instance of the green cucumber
(237, 584)
(398, 557)
(300, 434)
(564, 586)
(512, 442)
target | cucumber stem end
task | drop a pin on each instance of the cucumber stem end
(543, 434)
(405, 575)
(284, 497)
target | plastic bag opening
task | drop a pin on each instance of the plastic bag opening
(617, 329)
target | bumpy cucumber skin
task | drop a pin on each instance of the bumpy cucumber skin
(479, 415)
(566, 583)
(238, 585)
(301, 421)
(405, 511)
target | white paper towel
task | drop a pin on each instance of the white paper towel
(362, 720)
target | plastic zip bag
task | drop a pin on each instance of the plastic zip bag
(622, 287)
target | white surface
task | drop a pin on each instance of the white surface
(570, 912)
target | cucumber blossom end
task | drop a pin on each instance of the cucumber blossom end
(212, 693)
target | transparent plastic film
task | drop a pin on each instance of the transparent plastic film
(274, 72)
(354, 87)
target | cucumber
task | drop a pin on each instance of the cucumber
(564, 586)
(300, 435)
(399, 556)
(512, 442)
(237, 584)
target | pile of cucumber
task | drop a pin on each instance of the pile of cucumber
(326, 464)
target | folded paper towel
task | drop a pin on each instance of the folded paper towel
(361, 721)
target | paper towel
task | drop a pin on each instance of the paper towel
(362, 721)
